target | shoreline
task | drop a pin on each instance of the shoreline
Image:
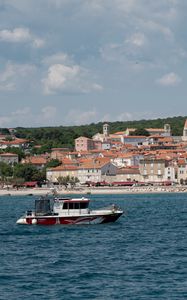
(94, 191)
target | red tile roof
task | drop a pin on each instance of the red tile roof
(9, 154)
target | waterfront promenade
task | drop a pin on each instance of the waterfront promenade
(95, 190)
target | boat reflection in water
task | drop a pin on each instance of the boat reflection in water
(68, 211)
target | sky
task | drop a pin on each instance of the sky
(76, 62)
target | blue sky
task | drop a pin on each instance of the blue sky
(72, 62)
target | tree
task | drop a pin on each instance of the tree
(26, 171)
(64, 180)
(4, 131)
(73, 181)
(64, 136)
(17, 181)
(17, 151)
(141, 131)
(5, 170)
(52, 163)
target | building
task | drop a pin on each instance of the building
(97, 170)
(128, 174)
(102, 136)
(16, 143)
(152, 169)
(105, 131)
(83, 143)
(38, 161)
(184, 136)
(59, 153)
(166, 131)
(52, 174)
(126, 159)
(182, 170)
(9, 158)
(134, 140)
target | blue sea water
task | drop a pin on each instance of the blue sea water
(141, 256)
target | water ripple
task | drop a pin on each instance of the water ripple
(141, 256)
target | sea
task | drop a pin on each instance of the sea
(143, 255)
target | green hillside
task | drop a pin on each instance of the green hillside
(64, 136)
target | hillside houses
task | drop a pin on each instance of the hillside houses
(157, 170)
(9, 158)
(126, 159)
(128, 174)
(113, 158)
(38, 161)
(89, 170)
(52, 174)
(156, 158)
(16, 143)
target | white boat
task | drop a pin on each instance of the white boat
(68, 211)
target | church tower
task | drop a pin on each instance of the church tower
(105, 131)
(167, 130)
(184, 137)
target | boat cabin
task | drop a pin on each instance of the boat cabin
(73, 205)
(44, 206)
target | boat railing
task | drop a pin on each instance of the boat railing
(113, 208)
(30, 213)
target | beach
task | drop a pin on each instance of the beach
(94, 190)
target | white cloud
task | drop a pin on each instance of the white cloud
(16, 35)
(25, 111)
(170, 79)
(38, 43)
(59, 76)
(137, 39)
(126, 6)
(20, 35)
(48, 113)
(25, 116)
(156, 27)
(14, 74)
(5, 121)
(135, 115)
(125, 116)
(57, 58)
(78, 117)
(132, 50)
(20, 116)
(67, 77)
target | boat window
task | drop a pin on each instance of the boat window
(42, 206)
(71, 205)
(84, 205)
(76, 205)
(65, 205)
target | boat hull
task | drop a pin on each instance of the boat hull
(69, 220)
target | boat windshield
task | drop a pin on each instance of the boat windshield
(42, 206)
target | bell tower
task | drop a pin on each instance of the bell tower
(184, 137)
(105, 131)
(167, 130)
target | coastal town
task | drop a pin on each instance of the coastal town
(117, 160)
